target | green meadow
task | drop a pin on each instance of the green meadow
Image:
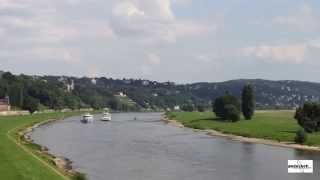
(274, 125)
(20, 160)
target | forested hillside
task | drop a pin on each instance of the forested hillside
(58, 92)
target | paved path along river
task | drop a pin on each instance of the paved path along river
(145, 148)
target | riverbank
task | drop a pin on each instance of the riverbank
(276, 128)
(63, 165)
(21, 158)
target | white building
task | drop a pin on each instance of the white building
(176, 108)
(145, 83)
(122, 94)
(94, 81)
(70, 87)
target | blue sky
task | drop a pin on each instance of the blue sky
(176, 40)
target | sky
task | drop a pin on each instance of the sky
(182, 41)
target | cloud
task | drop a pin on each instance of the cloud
(182, 2)
(66, 55)
(127, 9)
(42, 30)
(302, 19)
(153, 37)
(152, 21)
(190, 28)
(146, 70)
(295, 53)
(151, 62)
(300, 52)
(153, 59)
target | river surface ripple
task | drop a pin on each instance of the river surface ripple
(138, 146)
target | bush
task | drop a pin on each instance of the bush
(301, 137)
(171, 115)
(31, 104)
(308, 116)
(187, 107)
(232, 113)
(201, 108)
(79, 176)
(227, 107)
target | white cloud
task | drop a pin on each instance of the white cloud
(42, 30)
(153, 59)
(55, 53)
(295, 53)
(127, 9)
(151, 37)
(303, 19)
(315, 43)
(189, 28)
(278, 53)
(153, 20)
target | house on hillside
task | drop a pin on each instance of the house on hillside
(94, 81)
(69, 86)
(121, 94)
(176, 108)
(5, 104)
(145, 83)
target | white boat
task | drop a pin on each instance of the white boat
(106, 117)
(86, 118)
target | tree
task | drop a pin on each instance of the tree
(31, 104)
(187, 107)
(232, 113)
(58, 103)
(200, 107)
(114, 104)
(248, 101)
(72, 102)
(308, 116)
(218, 107)
(227, 107)
(9, 77)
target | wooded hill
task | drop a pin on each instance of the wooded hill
(57, 92)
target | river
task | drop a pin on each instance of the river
(145, 148)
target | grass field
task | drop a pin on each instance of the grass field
(275, 125)
(19, 162)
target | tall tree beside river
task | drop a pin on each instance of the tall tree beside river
(248, 101)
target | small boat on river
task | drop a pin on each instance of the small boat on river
(87, 118)
(106, 116)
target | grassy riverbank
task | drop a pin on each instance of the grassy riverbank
(273, 125)
(20, 160)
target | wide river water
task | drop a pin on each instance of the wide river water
(138, 146)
